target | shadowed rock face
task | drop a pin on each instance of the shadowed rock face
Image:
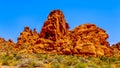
(55, 26)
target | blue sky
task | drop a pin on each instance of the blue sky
(16, 14)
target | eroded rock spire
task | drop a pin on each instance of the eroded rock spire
(55, 26)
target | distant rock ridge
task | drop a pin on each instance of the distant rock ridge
(56, 38)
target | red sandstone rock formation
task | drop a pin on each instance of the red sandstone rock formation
(28, 36)
(55, 37)
(90, 40)
(55, 27)
(116, 49)
(2, 40)
(116, 45)
(6, 46)
(27, 39)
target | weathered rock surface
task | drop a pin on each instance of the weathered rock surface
(28, 36)
(55, 27)
(86, 39)
(116, 49)
(90, 40)
(2, 40)
(116, 45)
(6, 46)
(27, 40)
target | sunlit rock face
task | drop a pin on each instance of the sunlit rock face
(117, 45)
(6, 46)
(86, 39)
(56, 29)
(28, 36)
(27, 40)
(116, 49)
(2, 40)
(90, 40)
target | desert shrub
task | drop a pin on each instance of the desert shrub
(33, 64)
(113, 59)
(81, 65)
(81, 59)
(93, 65)
(60, 59)
(55, 65)
(104, 59)
(106, 66)
(50, 60)
(67, 67)
(8, 59)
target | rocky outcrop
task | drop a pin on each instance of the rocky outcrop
(116, 49)
(6, 46)
(116, 45)
(55, 37)
(28, 36)
(55, 27)
(27, 39)
(2, 40)
(90, 40)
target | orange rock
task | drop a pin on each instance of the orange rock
(116, 49)
(94, 36)
(2, 40)
(66, 51)
(7, 46)
(55, 26)
(86, 49)
(55, 37)
(118, 45)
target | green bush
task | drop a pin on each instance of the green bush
(93, 66)
(8, 59)
(81, 65)
(55, 65)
